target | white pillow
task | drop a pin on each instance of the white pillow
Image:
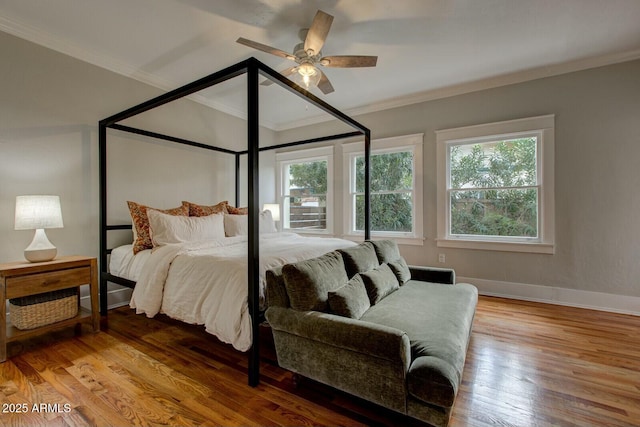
(166, 229)
(238, 225)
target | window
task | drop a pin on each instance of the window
(305, 190)
(396, 188)
(495, 186)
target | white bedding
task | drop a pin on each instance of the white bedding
(123, 263)
(206, 282)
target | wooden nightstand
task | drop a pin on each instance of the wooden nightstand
(20, 279)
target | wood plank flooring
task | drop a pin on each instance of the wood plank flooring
(528, 364)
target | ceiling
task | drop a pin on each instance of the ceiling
(426, 48)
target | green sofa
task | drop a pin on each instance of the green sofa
(362, 321)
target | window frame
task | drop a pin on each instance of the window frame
(543, 128)
(285, 159)
(412, 143)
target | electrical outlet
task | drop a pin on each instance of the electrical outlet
(442, 258)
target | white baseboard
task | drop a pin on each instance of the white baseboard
(115, 297)
(555, 295)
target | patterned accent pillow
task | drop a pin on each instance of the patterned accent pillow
(237, 211)
(142, 236)
(202, 210)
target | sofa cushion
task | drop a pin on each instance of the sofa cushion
(379, 282)
(350, 300)
(308, 282)
(360, 258)
(386, 250)
(437, 319)
(401, 270)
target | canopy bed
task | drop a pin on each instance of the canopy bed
(252, 68)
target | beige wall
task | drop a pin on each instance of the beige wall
(50, 105)
(597, 147)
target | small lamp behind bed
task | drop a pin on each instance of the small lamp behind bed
(38, 213)
(275, 212)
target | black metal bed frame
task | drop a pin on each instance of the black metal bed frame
(252, 67)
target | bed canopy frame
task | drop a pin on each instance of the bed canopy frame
(252, 67)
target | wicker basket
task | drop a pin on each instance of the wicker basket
(43, 309)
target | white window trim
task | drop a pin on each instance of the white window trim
(542, 126)
(300, 156)
(387, 145)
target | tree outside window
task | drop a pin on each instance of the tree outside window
(305, 204)
(391, 192)
(494, 188)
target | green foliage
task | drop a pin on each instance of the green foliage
(493, 189)
(389, 172)
(390, 209)
(391, 184)
(311, 176)
(389, 212)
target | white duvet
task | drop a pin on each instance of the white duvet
(206, 282)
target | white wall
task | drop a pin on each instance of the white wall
(597, 143)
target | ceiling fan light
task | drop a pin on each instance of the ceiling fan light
(307, 76)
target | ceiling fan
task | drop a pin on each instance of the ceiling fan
(308, 55)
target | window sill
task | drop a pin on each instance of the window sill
(401, 240)
(534, 248)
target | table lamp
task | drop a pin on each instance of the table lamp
(38, 213)
(274, 208)
(275, 212)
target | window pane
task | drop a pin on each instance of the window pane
(389, 172)
(510, 213)
(307, 212)
(510, 163)
(389, 212)
(308, 177)
(305, 204)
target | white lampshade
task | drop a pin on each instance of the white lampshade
(275, 210)
(33, 212)
(38, 213)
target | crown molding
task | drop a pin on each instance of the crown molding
(478, 85)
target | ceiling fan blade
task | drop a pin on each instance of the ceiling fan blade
(324, 84)
(348, 61)
(318, 32)
(265, 48)
(286, 72)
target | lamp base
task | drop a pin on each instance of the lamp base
(40, 255)
(40, 249)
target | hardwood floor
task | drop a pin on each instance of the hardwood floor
(528, 365)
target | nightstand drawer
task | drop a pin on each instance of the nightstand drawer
(44, 282)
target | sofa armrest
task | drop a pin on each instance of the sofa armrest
(363, 337)
(433, 274)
